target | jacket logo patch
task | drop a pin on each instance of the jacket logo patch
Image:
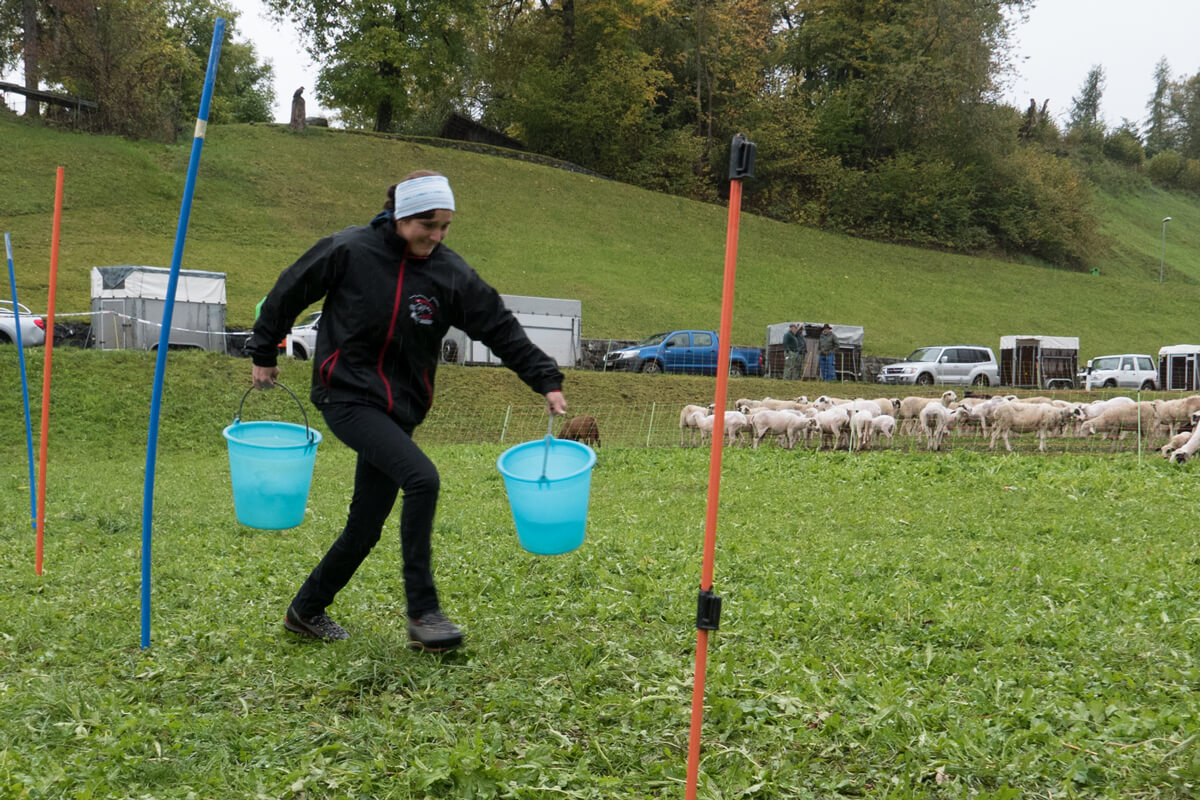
(422, 308)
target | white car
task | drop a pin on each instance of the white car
(33, 328)
(302, 341)
(960, 364)
(1125, 371)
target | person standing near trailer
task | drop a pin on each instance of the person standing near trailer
(391, 291)
(794, 351)
(827, 345)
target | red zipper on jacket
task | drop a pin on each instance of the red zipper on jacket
(392, 327)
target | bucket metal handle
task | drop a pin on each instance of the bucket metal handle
(308, 431)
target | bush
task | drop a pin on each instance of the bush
(1123, 147)
(1036, 202)
(1164, 168)
(908, 199)
(1189, 178)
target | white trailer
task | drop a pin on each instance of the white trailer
(128, 303)
(1179, 367)
(552, 324)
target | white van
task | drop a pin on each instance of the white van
(1124, 371)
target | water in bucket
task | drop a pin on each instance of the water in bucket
(271, 466)
(550, 513)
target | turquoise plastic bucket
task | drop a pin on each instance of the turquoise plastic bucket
(271, 467)
(550, 513)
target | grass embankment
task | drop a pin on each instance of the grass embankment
(895, 624)
(639, 261)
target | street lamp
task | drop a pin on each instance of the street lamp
(1164, 248)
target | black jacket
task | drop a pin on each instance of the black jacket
(384, 317)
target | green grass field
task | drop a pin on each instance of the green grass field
(640, 262)
(896, 624)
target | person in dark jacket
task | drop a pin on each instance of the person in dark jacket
(391, 290)
(794, 351)
(827, 345)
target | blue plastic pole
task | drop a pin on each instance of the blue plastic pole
(12, 281)
(164, 338)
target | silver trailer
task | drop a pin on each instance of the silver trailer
(128, 303)
(552, 324)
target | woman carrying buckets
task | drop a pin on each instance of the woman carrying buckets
(391, 291)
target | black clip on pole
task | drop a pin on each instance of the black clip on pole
(741, 158)
(708, 611)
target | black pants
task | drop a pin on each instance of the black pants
(388, 462)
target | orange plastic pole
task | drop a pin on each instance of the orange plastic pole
(45, 432)
(714, 479)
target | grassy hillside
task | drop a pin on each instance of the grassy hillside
(639, 261)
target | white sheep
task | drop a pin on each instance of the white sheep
(1177, 441)
(1174, 413)
(1120, 420)
(790, 426)
(937, 420)
(909, 410)
(688, 426)
(860, 429)
(1189, 447)
(883, 425)
(825, 402)
(733, 424)
(834, 424)
(985, 413)
(1039, 417)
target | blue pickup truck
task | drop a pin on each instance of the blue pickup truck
(690, 352)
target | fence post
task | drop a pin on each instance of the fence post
(504, 427)
(650, 429)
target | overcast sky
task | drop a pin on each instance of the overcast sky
(1063, 39)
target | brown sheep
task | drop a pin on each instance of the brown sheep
(581, 429)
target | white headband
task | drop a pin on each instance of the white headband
(422, 194)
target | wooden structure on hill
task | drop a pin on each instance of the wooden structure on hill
(76, 104)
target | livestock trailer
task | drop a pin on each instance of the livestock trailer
(847, 359)
(1179, 367)
(1039, 362)
(552, 324)
(128, 303)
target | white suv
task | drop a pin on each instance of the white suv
(302, 341)
(961, 364)
(1126, 371)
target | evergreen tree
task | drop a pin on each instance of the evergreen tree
(1085, 108)
(1159, 135)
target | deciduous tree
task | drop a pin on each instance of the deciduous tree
(387, 63)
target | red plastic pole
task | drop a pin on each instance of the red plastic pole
(45, 431)
(714, 479)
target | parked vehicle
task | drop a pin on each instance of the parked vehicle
(1126, 371)
(959, 364)
(33, 328)
(302, 341)
(693, 352)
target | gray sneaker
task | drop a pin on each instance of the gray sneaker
(433, 632)
(319, 626)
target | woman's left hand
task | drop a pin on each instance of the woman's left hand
(555, 403)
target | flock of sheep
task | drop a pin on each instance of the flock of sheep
(863, 424)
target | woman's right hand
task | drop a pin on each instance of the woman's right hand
(264, 377)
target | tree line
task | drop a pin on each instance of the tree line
(882, 120)
(142, 61)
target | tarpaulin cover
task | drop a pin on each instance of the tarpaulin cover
(150, 283)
